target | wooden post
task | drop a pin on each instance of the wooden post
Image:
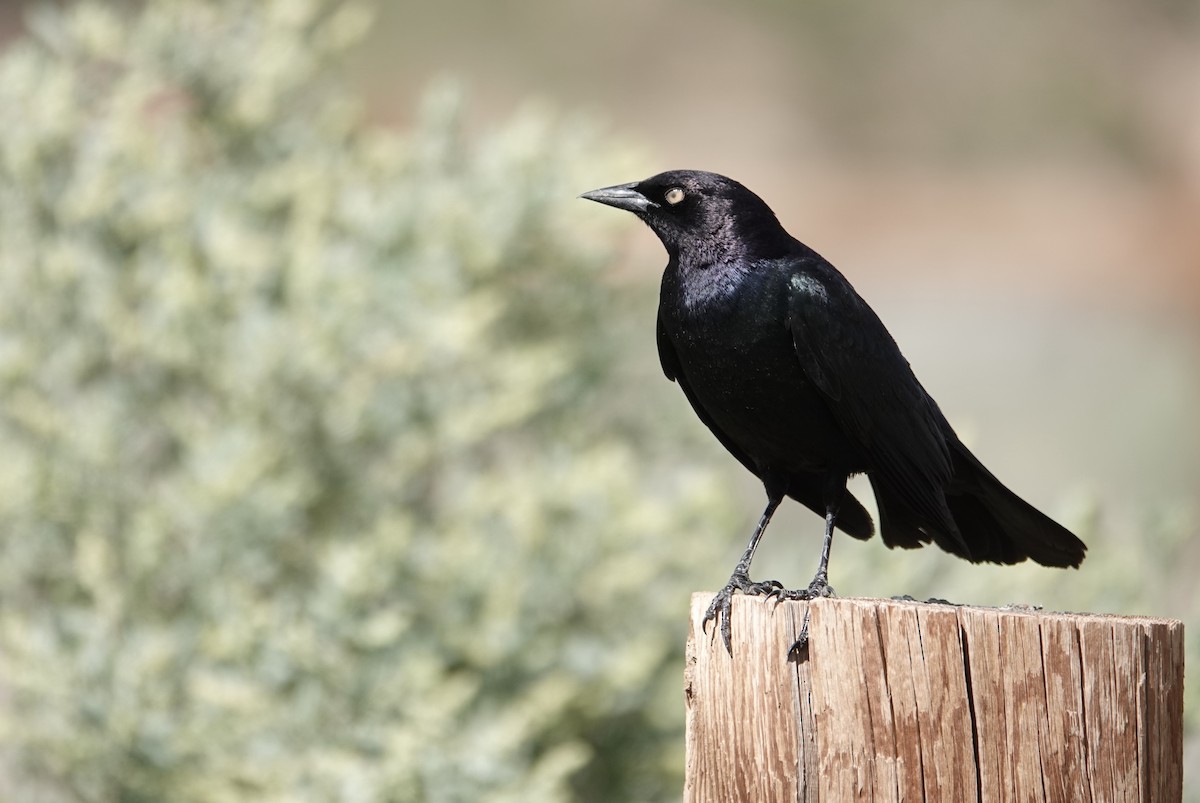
(907, 701)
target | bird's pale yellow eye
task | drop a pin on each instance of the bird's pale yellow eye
(674, 196)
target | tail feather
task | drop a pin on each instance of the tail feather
(902, 525)
(898, 523)
(1013, 527)
(990, 523)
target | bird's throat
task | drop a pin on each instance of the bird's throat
(704, 286)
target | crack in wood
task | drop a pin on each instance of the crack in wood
(970, 694)
(1083, 715)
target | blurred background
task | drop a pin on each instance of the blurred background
(338, 464)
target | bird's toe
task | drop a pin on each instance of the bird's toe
(720, 610)
(819, 588)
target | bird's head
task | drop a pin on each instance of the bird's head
(703, 214)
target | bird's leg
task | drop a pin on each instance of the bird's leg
(722, 604)
(819, 587)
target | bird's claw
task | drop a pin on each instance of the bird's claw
(819, 588)
(799, 651)
(721, 607)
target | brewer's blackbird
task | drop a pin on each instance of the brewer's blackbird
(798, 378)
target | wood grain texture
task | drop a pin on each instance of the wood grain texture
(749, 714)
(904, 701)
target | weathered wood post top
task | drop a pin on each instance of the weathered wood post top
(932, 702)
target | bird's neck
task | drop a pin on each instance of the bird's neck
(704, 282)
(707, 273)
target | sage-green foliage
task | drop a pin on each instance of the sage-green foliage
(309, 487)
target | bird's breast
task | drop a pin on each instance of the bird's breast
(739, 362)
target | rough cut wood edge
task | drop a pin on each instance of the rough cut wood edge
(924, 702)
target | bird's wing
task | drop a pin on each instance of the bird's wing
(846, 351)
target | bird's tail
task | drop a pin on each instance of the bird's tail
(993, 524)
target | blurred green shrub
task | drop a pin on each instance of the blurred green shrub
(309, 488)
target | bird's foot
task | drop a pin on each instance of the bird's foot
(819, 588)
(720, 609)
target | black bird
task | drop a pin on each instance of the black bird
(798, 378)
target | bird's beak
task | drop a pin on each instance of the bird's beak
(622, 196)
